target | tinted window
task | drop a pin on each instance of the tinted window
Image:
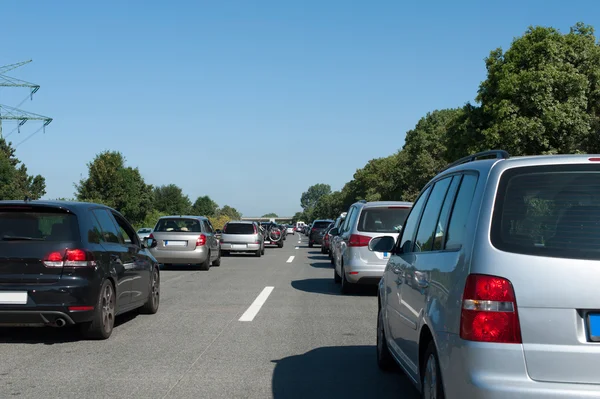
(110, 232)
(346, 221)
(178, 225)
(549, 211)
(239, 228)
(440, 231)
(429, 221)
(382, 220)
(129, 236)
(321, 224)
(95, 233)
(460, 212)
(408, 231)
(145, 230)
(45, 225)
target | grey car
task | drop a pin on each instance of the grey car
(242, 236)
(352, 260)
(492, 289)
(317, 231)
(188, 240)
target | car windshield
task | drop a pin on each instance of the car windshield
(47, 225)
(145, 230)
(238, 228)
(382, 220)
(178, 225)
(549, 211)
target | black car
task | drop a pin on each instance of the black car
(66, 263)
(317, 230)
(273, 234)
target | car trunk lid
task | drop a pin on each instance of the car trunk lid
(375, 222)
(177, 234)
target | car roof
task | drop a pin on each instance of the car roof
(241, 222)
(377, 204)
(184, 217)
(72, 206)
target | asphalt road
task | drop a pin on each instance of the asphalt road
(305, 341)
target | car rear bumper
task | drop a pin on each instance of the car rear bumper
(364, 273)
(42, 317)
(198, 255)
(316, 239)
(477, 370)
(239, 247)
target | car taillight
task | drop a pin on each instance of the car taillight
(69, 258)
(151, 236)
(489, 311)
(201, 240)
(356, 240)
(255, 230)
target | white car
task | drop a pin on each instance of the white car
(289, 230)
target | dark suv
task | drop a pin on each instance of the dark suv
(66, 263)
(317, 231)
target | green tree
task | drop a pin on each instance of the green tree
(310, 197)
(330, 206)
(541, 96)
(230, 212)
(205, 206)
(15, 182)
(121, 187)
(299, 217)
(270, 215)
(170, 199)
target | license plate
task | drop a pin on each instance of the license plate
(594, 327)
(267, 242)
(175, 243)
(239, 246)
(13, 298)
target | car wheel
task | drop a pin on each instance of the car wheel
(322, 250)
(217, 262)
(258, 253)
(336, 277)
(151, 305)
(431, 377)
(310, 245)
(102, 324)
(346, 285)
(384, 357)
(206, 264)
(224, 253)
(262, 251)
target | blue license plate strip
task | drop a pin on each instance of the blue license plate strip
(593, 322)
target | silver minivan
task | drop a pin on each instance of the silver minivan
(492, 289)
(185, 240)
(352, 260)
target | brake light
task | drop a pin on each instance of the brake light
(594, 159)
(255, 230)
(313, 229)
(201, 240)
(151, 236)
(356, 240)
(69, 258)
(489, 311)
(80, 308)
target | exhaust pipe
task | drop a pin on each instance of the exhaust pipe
(60, 322)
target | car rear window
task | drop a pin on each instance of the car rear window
(322, 225)
(178, 225)
(549, 211)
(383, 219)
(38, 225)
(239, 228)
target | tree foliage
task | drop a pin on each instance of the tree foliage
(15, 182)
(205, 206)
(112, 183)
(229, 212)
(270, 215)
(170, 199)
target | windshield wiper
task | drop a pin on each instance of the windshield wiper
(21, 238)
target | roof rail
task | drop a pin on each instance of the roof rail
(498, 154)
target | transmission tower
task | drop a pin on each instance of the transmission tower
(13, 113)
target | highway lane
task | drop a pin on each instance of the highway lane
(297, 338)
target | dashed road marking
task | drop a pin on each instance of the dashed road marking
(260, 300)
(291, 259)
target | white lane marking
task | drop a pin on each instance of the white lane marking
(291, 259)
(260, 300)
(297, 248)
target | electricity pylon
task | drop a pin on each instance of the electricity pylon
(15, 114)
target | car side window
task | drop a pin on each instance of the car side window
(346, 222)
(110, 232)
(405, 244)
(427, 227)
(442, 224)
(95, 235)
(460, 212)
(206, 227)
(128, 234)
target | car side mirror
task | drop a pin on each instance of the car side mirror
(382, 244)
(334, 231)
(150, 242)
(218, 231)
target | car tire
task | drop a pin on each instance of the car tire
(322, 250)
(206, 264)
(384, 356)
(310, 245)
(336, 277)
(431, 376)
(153, 302)
(346, 287)
(225, 253)
(103, 321)
(258, 253)
(217, 262)
(280, 244)
(262, 251)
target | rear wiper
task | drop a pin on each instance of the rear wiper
(21, 238)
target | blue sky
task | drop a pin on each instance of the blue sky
(200, 93)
